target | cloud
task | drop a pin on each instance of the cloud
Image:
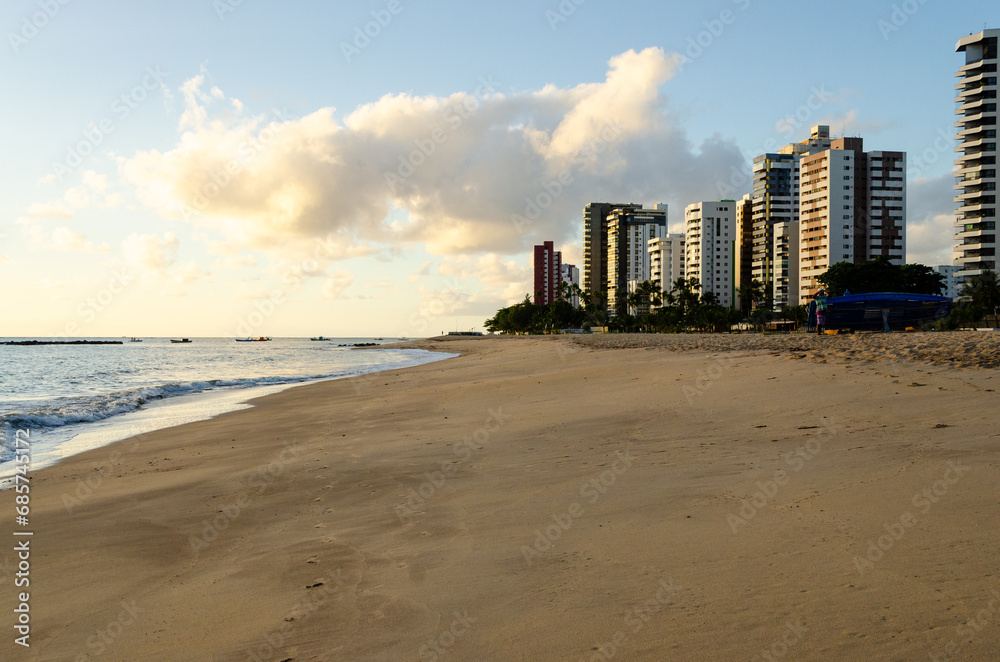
(150, 252)
(335, 285)
(456, 168)
(47, 211)
(930, 219)
(65, 240)
(852, 124)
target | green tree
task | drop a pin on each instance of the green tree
(880, 275)
(982, 294)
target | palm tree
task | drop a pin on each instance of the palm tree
(983, 292)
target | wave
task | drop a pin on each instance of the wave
(87, 409)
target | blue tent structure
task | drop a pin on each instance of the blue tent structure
(885, 311)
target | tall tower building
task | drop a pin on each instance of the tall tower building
(548, 273)
(666, 260)
(629, 231)
(709, 233)
(595, 246)
(976, 167)
(743, 267)
(852, 208)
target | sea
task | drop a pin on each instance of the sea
(66, 399)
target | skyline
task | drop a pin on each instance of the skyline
(277, 163)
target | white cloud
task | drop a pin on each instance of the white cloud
(46, 211)
(336, 284)
(65, 240)
(458, 166)
(150, 252)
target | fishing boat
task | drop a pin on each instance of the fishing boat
(260, 339)
(135, 339)
(320, 338)
(182, 340)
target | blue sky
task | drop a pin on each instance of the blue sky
(308, 236)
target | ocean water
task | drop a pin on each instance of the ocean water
(70, 398)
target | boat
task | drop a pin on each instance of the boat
(135, 339)
(182, 340)
(320, 338)
(260, 339)
(885, 311)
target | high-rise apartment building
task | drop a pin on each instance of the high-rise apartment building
(570, 277)
(666, 260)
(629, 231)
(548, 273)
(952, 286)
(595, 246)
(709, 236)
(852, 208)
(743, 262)
(775, 201)
(976, 167)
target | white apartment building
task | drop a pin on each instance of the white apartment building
(826, 216)
(628, 259)
(952, 282)
(666, 260)
(976, 166)
(709, 235)
(569, 274)
(785, 252)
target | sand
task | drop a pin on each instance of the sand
(619, 497)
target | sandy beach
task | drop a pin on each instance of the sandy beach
(554, 498)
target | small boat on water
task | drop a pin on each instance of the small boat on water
(182, 340)
(135, 339)
(260, 339)
(320, 338)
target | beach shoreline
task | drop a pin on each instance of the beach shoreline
(562, 498)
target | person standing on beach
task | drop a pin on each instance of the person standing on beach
(820, 311)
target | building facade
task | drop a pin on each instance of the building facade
(570, 277)
(666, 260)
(629, 231)
(952, 282)
(743, 262)
(548, 273)
(709, 238)
(595, 246)
(976, 166)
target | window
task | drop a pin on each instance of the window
(847, 246)
(847, 178)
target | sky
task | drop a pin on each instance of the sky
(383, 168)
